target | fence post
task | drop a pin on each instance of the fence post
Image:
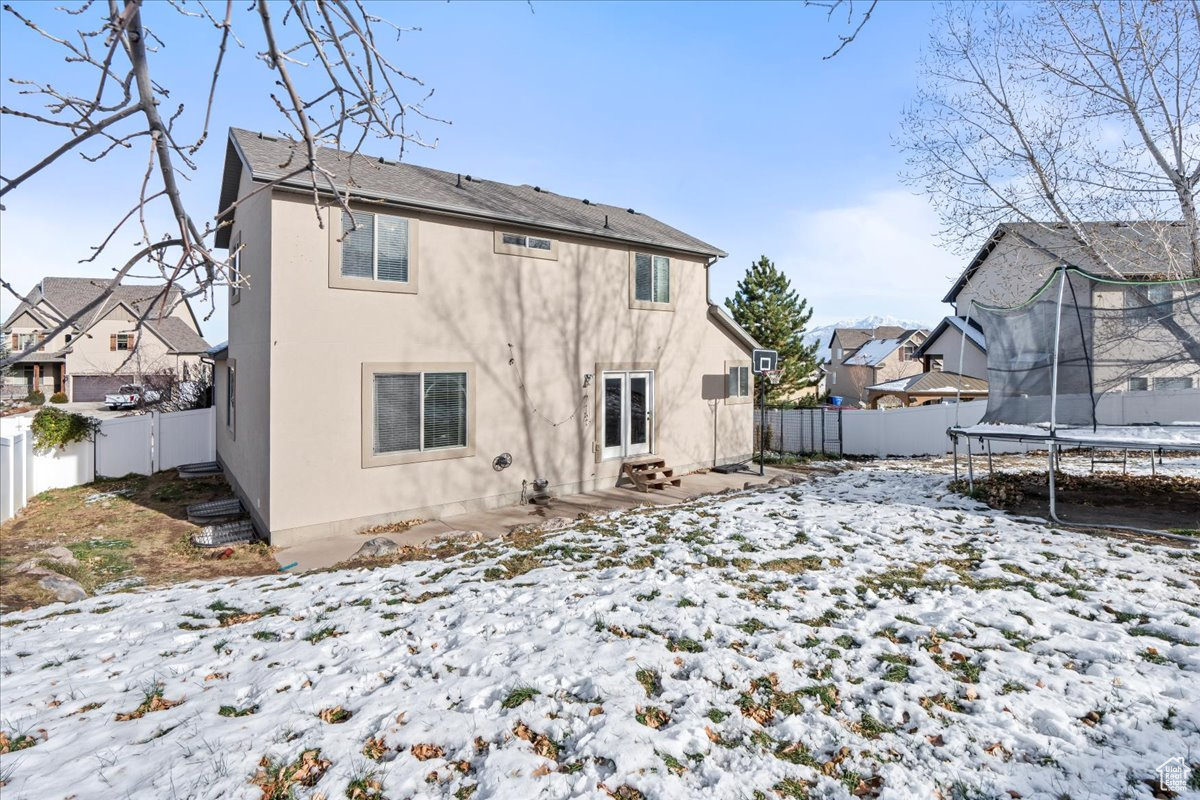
(155, 433)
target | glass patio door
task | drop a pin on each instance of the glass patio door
(628, 414)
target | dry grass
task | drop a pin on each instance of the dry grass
(145, 535)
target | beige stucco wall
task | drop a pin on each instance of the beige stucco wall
(564, 318)
(850, 381)
(1010, 275)
(244, 447)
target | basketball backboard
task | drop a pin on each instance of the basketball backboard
(764, 361)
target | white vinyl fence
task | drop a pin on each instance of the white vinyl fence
(142, 444)
(921, 431)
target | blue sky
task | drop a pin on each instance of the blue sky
(721, 119)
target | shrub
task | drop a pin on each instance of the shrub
(58, 397)
(55, 428)
(35, 398)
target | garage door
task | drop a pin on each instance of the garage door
(92, 388)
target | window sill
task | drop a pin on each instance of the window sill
(339, 281)
(416, 456)
(650, 305)
(739, 401)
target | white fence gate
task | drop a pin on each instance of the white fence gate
(142, 444)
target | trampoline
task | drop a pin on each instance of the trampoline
(1091, 362)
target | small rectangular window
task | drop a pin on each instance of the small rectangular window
(1139, 384)
(230, 396)
(375, 247)
(652, 278)
(121, 341)
(526, 242)
(235, 274)
(1172, 383)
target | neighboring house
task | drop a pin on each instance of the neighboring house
(862, 357)
(454, 341)
(104, 348)
(1018, 258)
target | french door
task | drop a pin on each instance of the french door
(627, 414)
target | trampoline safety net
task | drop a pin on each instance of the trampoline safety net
(1112, 336)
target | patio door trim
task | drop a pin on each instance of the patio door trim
(598, 406)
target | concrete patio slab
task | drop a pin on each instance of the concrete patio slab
(497, 522)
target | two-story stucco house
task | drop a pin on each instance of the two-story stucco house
(862, 357)
(452, 340)
(126, 339)
(1018, 258)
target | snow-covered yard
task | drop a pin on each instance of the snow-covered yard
(860, 635)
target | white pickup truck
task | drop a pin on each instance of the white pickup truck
(130, 396)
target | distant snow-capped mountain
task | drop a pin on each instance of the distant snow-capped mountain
(821, 335)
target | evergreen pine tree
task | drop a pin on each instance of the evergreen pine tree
(767, 306)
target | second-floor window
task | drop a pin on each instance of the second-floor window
(909, 351)
(652, 278)
(122, 341)
(374, 247)
(1148, 303)
(532, 242)
(22, 340)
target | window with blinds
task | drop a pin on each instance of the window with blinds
(374, 246)
(418, 411)
(652, 278)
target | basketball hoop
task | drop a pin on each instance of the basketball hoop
(773, 376)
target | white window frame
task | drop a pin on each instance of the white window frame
(372, 459)
(126, 337)
(1145, 313)
(339, 281)
(513, 243)
(1144, 379)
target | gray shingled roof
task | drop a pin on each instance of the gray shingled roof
(854, 338)
(1132, 248)
(70, 295)
(270, 158)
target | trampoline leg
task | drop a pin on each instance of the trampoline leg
(989, 452)
(1053, 466)
(954, 444)
(970, 467)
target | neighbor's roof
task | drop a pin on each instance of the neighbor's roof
(853, 338)
(969, 328)
(270, 158)
(1132, 248)
(875, 350)
(218, 352)
(937, 383)
(67, 296)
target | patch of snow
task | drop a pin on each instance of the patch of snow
(868, 631)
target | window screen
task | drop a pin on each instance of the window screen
(392, 236)
(662, 279)
(445, 419)
(538, 244)
(397, 412)
(358, 245)
(643, 277)
(739, 381)
(1172, 383)
(1139, 384)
